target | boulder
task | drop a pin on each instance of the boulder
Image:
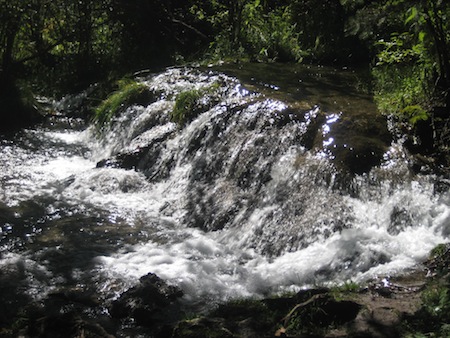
(146, 302)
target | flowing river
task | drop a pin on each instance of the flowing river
(264, 191)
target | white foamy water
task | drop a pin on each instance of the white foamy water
(218, 264)
(231, 205)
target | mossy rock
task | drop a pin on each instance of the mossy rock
(129, 92)
(187, 107)
(319, 314)
(191, 103)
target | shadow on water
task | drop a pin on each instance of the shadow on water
(48, 245)
(53, 251)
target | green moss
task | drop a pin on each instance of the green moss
(191, 103)
(129, 92)
(186, 107)
(345, 290)
(439, 251)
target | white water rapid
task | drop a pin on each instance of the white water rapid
(231, 205)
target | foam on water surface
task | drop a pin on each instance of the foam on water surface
(233, 205)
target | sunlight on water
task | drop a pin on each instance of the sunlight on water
(231, 205)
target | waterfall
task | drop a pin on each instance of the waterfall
(252, 196)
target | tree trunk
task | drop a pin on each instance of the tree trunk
(7, 58)
(235, 8)
(436, 27)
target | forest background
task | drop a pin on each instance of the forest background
(55, 47)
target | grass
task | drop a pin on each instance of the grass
(343, 291)
(128, 92)
(189, 104)
(186, 106)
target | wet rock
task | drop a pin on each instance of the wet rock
(66, 325)
(400, 219)
(439, 261)
(202, 328)
(146, 302)
(84, 298)
(145, 154)
(356, 142)
(441, 186)
(362, 156)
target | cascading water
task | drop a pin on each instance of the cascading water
(238, 202)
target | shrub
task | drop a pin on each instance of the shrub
(402, 91)
(403, 78)
(436, 302)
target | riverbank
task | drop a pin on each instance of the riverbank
(415, 304)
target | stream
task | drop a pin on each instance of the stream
(287, 178)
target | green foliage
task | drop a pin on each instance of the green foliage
(403, 74)
(343, 291)
(436, 302)
(433, 318)
(414, 114)
(129, 92)
(400, 49)
(412, 64)
(186, 106)
(189, 104)
(321, 25)
(262, 34)
(403, 90)
(273, 36)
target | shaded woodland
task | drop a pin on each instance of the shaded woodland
(56, 47)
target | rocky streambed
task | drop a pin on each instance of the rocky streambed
(212, 207)
(397, 306)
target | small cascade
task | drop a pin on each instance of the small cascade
(253, 195)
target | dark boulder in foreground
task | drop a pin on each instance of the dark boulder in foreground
(146, 302)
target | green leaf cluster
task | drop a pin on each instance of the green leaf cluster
(401, 49)
(255, 31)
(403, 90)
